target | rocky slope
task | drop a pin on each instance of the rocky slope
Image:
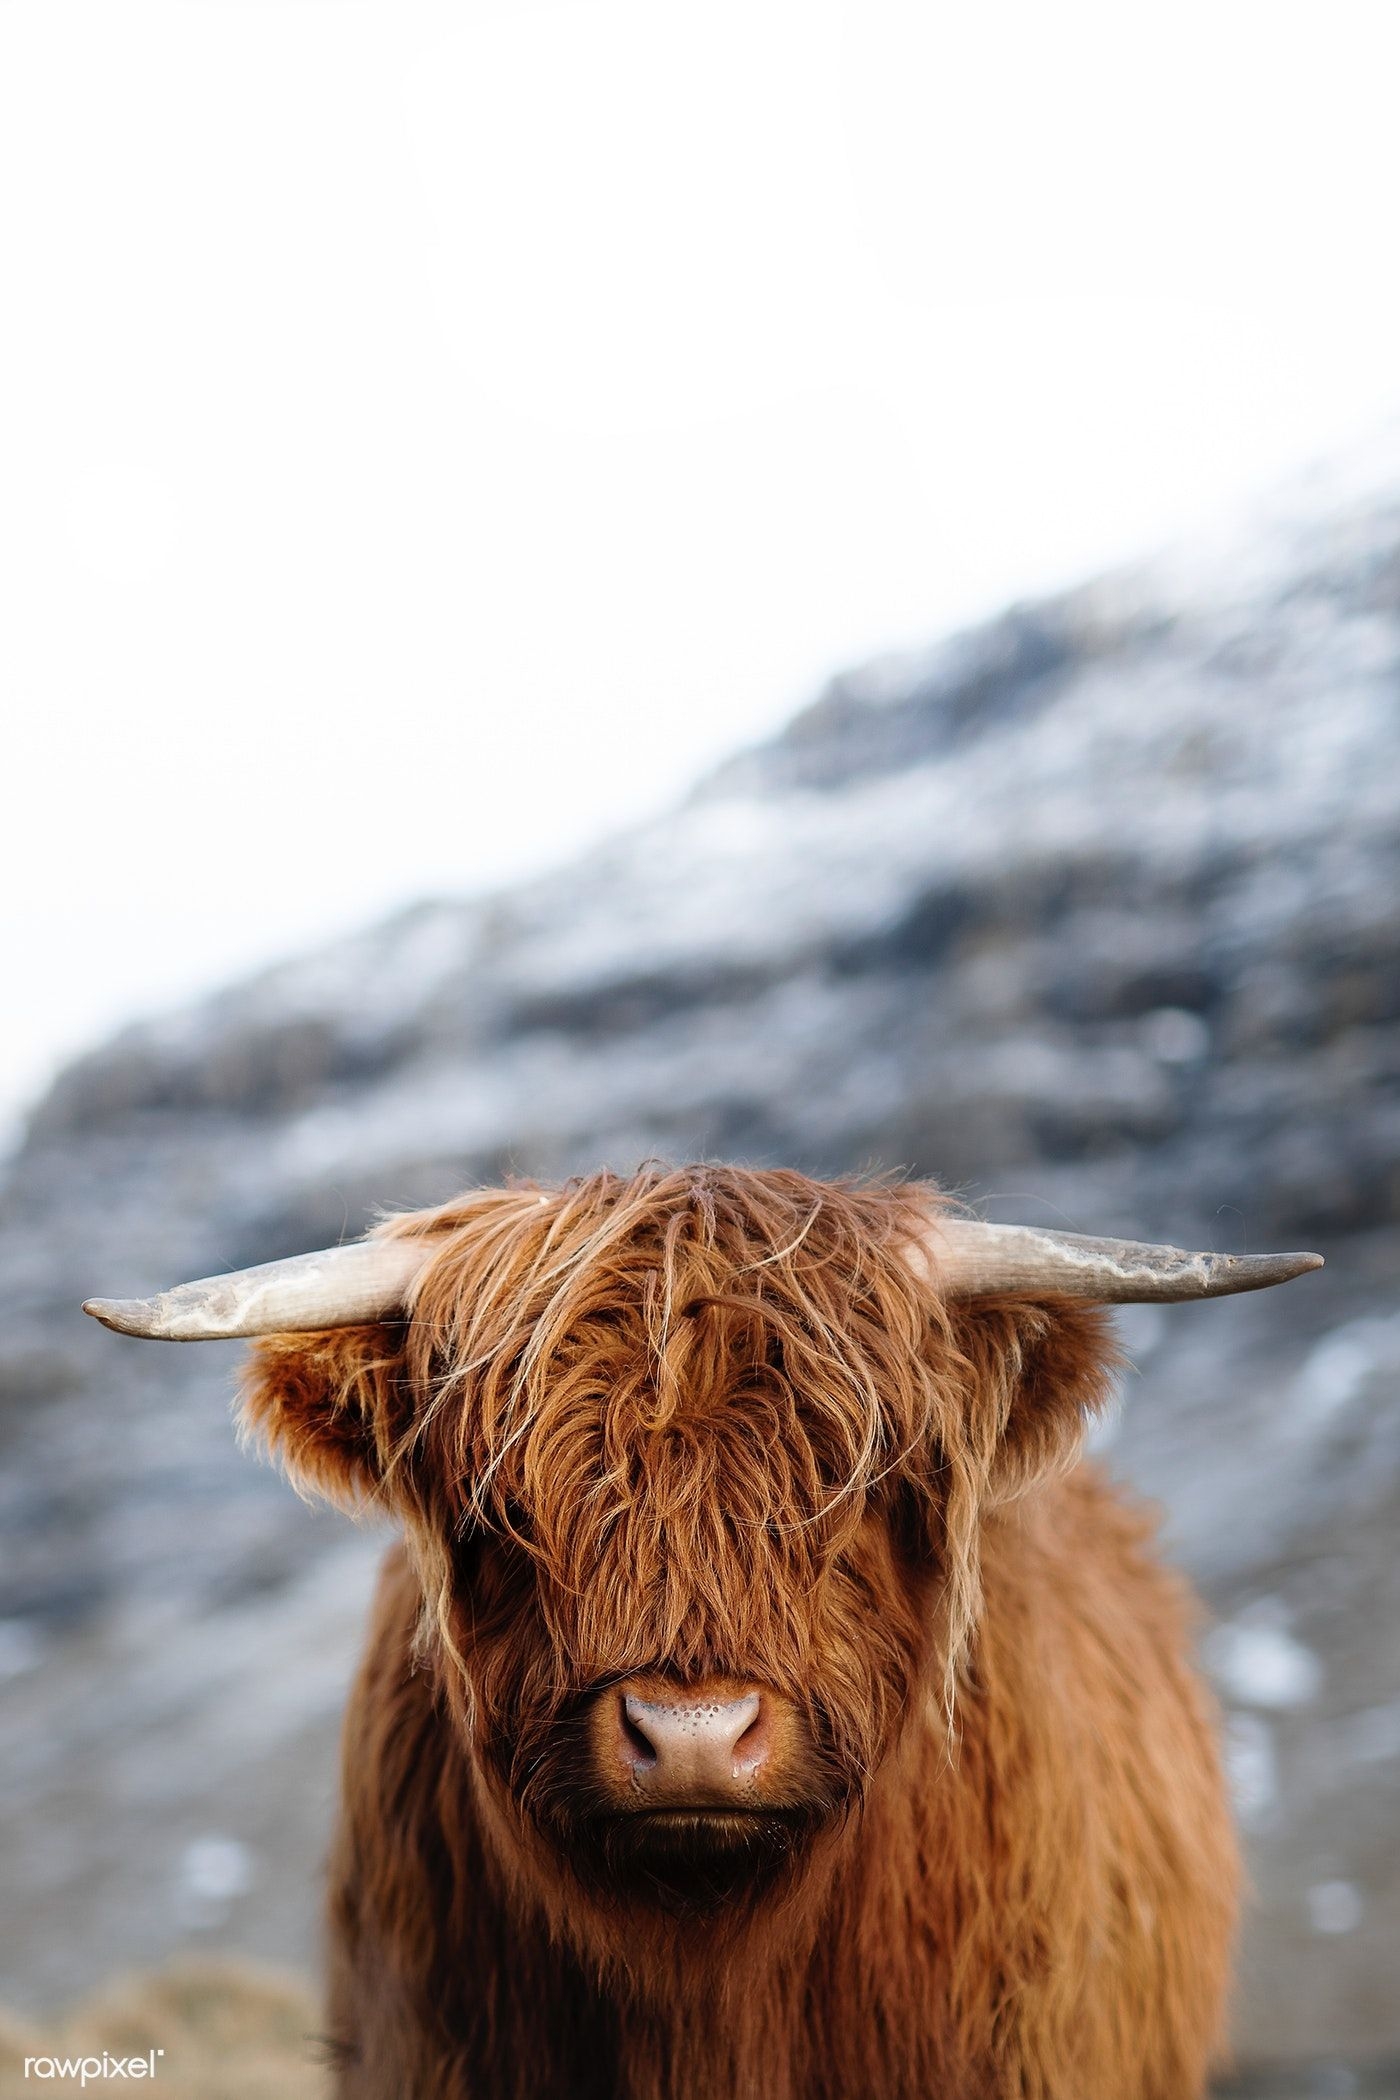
(1091, 912)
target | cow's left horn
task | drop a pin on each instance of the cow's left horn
(339, 1287)
(967, 1259)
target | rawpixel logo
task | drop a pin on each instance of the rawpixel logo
(86, 2068)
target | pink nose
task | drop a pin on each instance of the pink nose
(693, 1752)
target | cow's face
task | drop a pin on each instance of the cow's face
(685, 1645)
(693, 1477)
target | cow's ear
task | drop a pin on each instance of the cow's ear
(331, 1407)
(1039, 1371)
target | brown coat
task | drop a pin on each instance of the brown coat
(707, 1422)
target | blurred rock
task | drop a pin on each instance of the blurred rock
(1091, 914)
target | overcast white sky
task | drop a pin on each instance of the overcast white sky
(430, 434)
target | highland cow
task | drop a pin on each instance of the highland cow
(760, 1704)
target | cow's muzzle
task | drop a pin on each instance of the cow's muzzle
(718, 1747)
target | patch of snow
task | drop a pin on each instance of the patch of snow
(1337, 1368)
(1335, 1906)
(213, 1872)
(1175, 1036)
(218, 1868)
(1257, 1662)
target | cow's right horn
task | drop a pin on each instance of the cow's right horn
(338, 1287)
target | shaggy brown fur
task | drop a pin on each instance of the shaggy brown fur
(706, 1425)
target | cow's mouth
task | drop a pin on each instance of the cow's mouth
(705, 1825)
(698, 1858)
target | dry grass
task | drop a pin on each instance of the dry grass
(229, 2032)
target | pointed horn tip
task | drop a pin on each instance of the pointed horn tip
(1259, 1272)
(1282, 1266)
(1300, 1264)
(123, 1315)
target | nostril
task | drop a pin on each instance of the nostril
(640, 1749)
(751, 1747)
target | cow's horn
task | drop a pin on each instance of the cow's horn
(967, 1259)
(339, 1287)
